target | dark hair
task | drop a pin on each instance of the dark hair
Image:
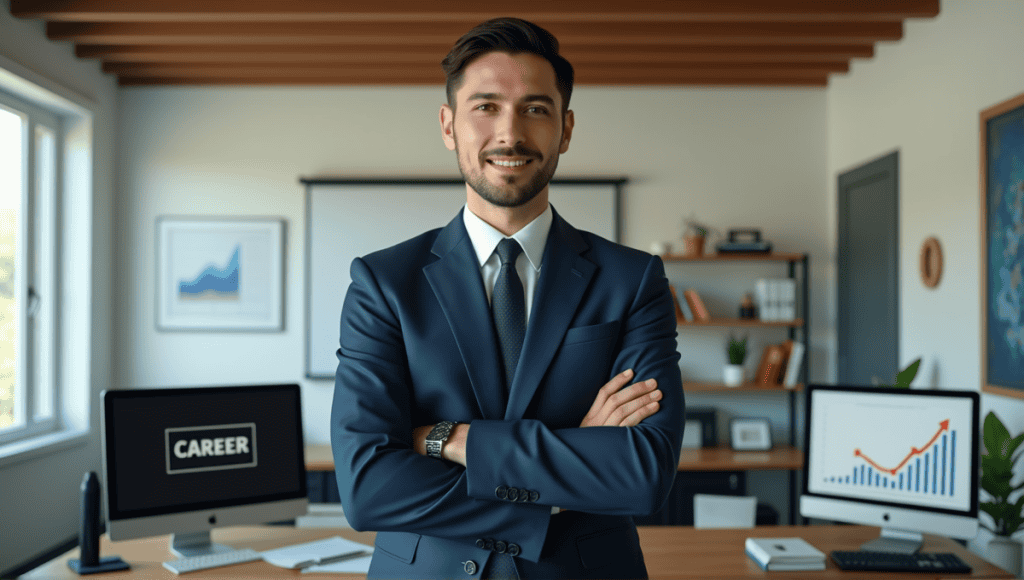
(511, 35)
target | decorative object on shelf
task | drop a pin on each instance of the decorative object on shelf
(220, 274)
(770, 367)
(1002, 144)
(750, 434)
(701, 428)
(661, 248)
(747, 309)
(776, 299)
(996, 475)
(793, 365)
(694, 236)
(700, 312)
(931, 262)
(683, 312)
(732, 374)
(744, 241)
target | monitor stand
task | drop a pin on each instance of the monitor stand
(896, 541)
(196, 544)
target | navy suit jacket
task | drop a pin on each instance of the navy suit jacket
(418, 346)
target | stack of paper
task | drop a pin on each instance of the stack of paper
(310, 555)
(785, 554)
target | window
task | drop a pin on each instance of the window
(29, 165)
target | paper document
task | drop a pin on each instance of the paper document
(356, 565)
(319, 552)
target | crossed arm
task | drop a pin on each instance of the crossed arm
(614, 406)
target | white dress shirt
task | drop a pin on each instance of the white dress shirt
(532, 238)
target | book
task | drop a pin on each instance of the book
(700, 312)
(784, 554)
(787, 350)
(764, 308)
(793, 365)
(683, 311)
(770, 366)
(319, 552)
(787, 299)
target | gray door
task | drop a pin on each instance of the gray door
(868, 273)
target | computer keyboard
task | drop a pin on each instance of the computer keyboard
(195, 563)
(942, 562)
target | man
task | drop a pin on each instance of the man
(480, 421)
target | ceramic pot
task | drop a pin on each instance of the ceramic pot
(1006, 553)
(732, 375)
(693, 246)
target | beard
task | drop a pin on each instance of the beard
(516, 190)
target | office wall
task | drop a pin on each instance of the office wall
(39, 499)
(731, 157)
(923, 96)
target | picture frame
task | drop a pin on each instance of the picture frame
(1001, 184)
(750, 434)
(701, 428)
(222, 274)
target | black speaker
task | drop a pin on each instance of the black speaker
(89, 536)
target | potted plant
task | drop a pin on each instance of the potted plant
(906, 376)
(732, 375)
(996, 475)
(693, 238)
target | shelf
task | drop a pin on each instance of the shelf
(723, 458)
(745, 387)
(743, 322)
(738, 257)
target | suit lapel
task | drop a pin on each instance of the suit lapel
(564, 278)
(459, 288)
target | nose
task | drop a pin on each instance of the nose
(509, 129)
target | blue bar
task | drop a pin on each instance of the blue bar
(885, 482)
(871, 475)
(901, 481)
(943, 489)
(952, 459)
(917, 478)
(877, 480)
(925, 473)
(935, 468)
(854, 475)
(847, 479)
(862, 475)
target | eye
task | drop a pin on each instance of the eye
(537, 110)
(484, 107)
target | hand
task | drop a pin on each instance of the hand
(618, 407)
(454, 448)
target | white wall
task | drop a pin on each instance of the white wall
(732, 157)
(923, 97)
(40, 504)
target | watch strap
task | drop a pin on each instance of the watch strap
(437, 436)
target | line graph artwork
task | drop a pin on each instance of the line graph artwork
(928, 469)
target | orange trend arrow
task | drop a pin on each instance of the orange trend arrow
(943, 426)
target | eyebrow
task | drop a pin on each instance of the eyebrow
(498, 96)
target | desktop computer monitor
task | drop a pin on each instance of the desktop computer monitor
(905, 460)
(186, 460)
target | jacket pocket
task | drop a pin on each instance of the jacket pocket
(399, 545)
(592, 332)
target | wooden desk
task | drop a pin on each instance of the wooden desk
(672, 553)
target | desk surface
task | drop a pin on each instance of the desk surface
(676, 553)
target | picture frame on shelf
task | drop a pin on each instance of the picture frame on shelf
(220, 274)
(701, 428)
(750, 434)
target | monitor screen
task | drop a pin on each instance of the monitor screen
(189, 459)
(896, 458)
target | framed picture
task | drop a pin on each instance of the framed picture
(701, 428)
(220, 274)
(750, 434)
(1002, 256)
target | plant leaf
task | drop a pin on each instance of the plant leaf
(995, 434)
(906, 376)
(1013, 444)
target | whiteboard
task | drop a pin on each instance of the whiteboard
(346, 219)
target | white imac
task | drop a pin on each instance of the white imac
(183, 461)
(905, 460)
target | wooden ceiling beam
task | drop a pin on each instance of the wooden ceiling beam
(447, 33)
(464, 12)
(432, 53)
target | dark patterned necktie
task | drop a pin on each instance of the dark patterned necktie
(508, 306)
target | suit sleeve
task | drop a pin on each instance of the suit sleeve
(384, 484)
(601, 470)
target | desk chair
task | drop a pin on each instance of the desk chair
(723, 511)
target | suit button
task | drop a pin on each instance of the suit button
(513, 494)
(534, 496)
(480, 543)
(470, 567)
(500, 547)
(501, 491)
(489, 544)
(513, 549)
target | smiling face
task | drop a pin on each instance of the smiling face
(507, 129)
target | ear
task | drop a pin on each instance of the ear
(447, 118)
(567, 124)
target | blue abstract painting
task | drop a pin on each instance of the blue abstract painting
(213, 283)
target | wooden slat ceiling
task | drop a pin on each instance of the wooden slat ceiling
(402, 42)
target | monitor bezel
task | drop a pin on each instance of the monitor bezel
(971, 512)
(112, 395)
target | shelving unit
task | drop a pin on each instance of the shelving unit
(780, 457)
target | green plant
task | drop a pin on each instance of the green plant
(996, 472)
(737, 350)
(906, 376)
(696, 228)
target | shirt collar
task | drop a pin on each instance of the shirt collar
(533, 237)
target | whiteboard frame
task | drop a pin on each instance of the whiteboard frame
(397, 184)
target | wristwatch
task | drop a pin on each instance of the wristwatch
(437, 436)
